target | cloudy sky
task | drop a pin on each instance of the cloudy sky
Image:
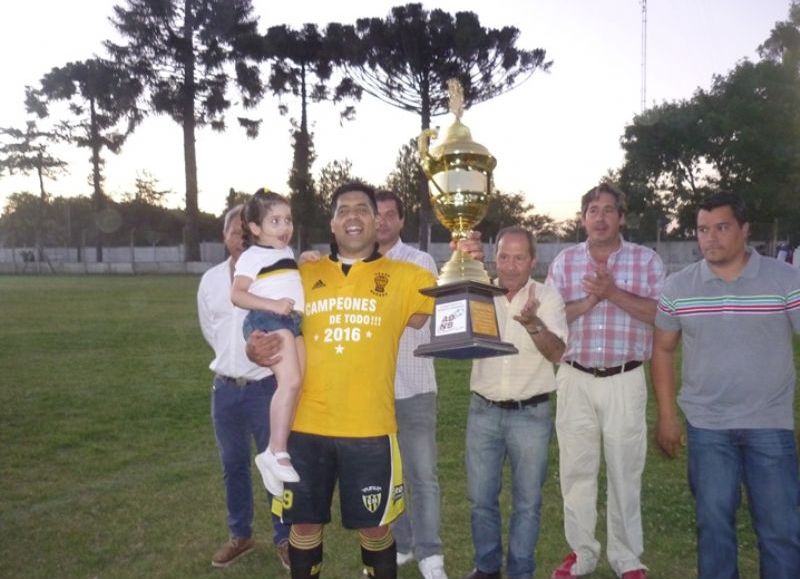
(554, 137)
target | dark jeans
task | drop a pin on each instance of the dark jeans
(241, 415)
(765, 461)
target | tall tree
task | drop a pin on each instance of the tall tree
(742, 134)
(666, 162)
(27, 151)
(183, 51)
(302, 65)
(406, 59)
(103, 101)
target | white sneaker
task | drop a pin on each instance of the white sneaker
(403, 558)
(433, 567)
(273, 473)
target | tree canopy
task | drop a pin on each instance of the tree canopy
(741, 134)
(103, 100)
(406, 58)
(187, 52)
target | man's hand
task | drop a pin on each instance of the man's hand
(669, 436)
(528, 314)
(601, 285)
(472, 245)
(263, 348)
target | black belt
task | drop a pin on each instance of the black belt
(516, 404)
(606, 372)
(240, 382)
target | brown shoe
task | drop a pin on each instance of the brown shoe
(283, 553)
(232, 550)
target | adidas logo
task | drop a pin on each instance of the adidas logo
(319, 284)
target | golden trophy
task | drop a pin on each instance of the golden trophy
(459, 173)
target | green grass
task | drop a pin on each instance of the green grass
(110, 468)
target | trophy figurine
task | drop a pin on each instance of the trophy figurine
(459, 173)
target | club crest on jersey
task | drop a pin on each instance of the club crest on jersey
(371, 497)
(381, 279)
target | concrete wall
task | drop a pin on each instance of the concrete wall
(169, 260)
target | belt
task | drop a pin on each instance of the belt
(240, 382)
(516, 404)
(606, 372)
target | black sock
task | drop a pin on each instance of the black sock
(305, 555)
(379, 556)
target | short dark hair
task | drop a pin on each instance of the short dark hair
(594, 193)
(723, 198)
(387, 195)
(350, 187)
(517, 230)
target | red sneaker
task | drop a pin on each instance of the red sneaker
(635, 574)
(564, 571)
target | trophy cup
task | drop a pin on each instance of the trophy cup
(459, 173)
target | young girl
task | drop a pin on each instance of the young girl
(266, 282)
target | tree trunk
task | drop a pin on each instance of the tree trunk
(191, 235)
(98, 199)
(40, 216)
(300, 183)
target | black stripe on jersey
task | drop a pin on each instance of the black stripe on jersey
(281, 264)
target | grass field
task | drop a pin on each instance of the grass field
(110, 469)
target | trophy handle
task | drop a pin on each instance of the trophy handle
(425, 157)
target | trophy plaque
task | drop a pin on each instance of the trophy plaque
(459, 173)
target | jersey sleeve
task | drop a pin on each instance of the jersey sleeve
(420, 279)
(246, 265)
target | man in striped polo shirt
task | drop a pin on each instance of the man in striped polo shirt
(736, 312)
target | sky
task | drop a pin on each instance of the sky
(554, 137)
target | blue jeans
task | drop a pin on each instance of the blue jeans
(418, 528)
(523, 436)
(765, 460)
(271, 322)
(241, 415)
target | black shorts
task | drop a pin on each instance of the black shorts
(369, 473)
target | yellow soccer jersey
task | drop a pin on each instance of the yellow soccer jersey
(352, 326)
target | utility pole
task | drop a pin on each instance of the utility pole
(643, 103)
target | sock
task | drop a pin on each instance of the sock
(379, 555)
(305, 555)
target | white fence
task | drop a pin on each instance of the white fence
(169, 260)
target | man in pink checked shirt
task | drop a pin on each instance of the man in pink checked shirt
(610, 288)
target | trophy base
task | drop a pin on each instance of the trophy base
(470, 350)
(464, 322)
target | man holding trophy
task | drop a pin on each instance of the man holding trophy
(509, 411)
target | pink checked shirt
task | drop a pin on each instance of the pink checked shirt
(607, 336)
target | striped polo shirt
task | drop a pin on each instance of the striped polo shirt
(738, 358)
